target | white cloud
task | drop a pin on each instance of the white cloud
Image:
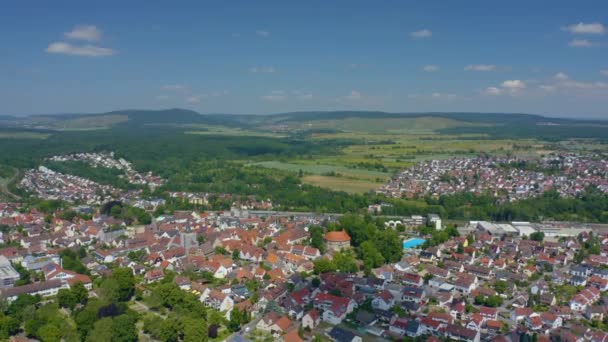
(548, 88)
(262, 33)
(560, 76)
(586, 28)
(162, 97)
(218, 93)
(514, 85)
(305, 97)
(262, 69)
(273, 98)
(196, 98)
(492, 91)
(443, 96)
(173, 87)
(354, 95)
(604, 72)
(421, 34)
(79, 50)
(583, 85)
(90, 33)
(580, 43)
(430, 68)
(480, 67)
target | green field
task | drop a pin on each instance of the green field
(417, 125)
(23, 135)
(321, 169)
(342, 184)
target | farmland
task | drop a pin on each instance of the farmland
(341, 183)
(23, 135)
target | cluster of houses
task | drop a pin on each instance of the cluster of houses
(569, 174)
(108, 160)
(487, 285)
(51, 185)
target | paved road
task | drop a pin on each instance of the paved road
(4, 185)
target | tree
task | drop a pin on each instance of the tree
(81, 294)
(370, 256)
(316, 238)
(168, 330)
(323, 265)
(124, 329)
(126, 283)
(500, 286)
(235, 254)
(49, 333)
(102, 331)
(66, 299)
(237, 317)
(195, 330)
(344, 261)
(8, 326)
(537, 236)
(388, 244)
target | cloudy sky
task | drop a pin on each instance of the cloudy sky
(548, 57)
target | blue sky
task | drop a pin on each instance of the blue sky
(547, 57)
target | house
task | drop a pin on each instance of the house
(292, 336)
(596, 312)
(586, 297)
(398, 326)
(44, 289)
(274, 324)
(337, 240)
(412, 294)
(334, 308)
(488, 313)
(475, 322)
(438, 272)
(412, 279)
(154, 275)
(459, 333)
(465, 285)
(533, 322)
(341, 335)
(551, 320)
(519, 314)
(311, 319)
(280, 326)
(383, 300)
(218, 300)
(413, 328)
(8, 275)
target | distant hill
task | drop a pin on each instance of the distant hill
(491, 124)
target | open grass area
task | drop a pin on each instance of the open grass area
(349, 185)
(317, 168)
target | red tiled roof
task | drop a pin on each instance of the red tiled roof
(338, 236)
